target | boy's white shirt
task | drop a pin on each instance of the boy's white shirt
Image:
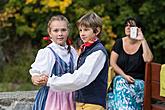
(81, 77)
(45, 59)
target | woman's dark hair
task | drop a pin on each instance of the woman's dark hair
(134, 22)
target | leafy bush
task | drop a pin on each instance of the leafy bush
(23, 23)
(15, 74)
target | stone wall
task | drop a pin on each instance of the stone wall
(20, 100)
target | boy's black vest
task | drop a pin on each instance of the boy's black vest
(95, 92)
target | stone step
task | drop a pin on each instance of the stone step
(19, 100)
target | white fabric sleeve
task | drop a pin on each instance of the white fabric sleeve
(43, 63)
(81, 77)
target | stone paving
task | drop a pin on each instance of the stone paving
(19, 100)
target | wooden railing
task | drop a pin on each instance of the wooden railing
(152, 98)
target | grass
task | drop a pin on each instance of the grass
(6, 87)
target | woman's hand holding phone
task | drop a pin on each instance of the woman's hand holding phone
(136, 33)
(140, 35)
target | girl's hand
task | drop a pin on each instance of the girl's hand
(35, 79)
(129, 79)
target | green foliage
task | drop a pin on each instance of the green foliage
(26, 20)
(17, 87)
(17, 70)
(153, 20)
(15, 74)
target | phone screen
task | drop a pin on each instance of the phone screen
(133, 32)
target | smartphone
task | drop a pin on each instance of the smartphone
(133, 32)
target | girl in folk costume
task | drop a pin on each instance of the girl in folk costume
(56, 59)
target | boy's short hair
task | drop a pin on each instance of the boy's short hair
(91, 20)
